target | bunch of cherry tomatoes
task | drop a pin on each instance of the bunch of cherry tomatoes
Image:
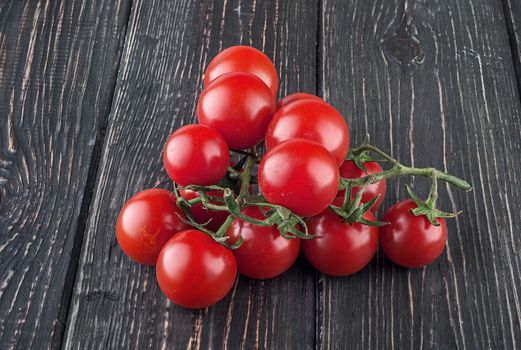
(253, 215)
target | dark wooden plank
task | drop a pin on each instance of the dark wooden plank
(433, 83)
(58, 64)
(116, 303)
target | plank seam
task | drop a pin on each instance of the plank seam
(514, 49)
(58, 339)
(319, 92)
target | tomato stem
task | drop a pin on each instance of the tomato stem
(399, 169)
(246, 176)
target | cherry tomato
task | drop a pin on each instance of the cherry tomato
(196, 155)
(203, 215)
(312, 120)
(339, 248)
(349, 170)
(194, 271)
(298, 96)
(300, 175)
(146, 222)
(409, 240)
(239, 106)
(243, 59)
(264, 253)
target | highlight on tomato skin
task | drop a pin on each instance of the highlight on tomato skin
(239, 106)
(146, 222)
(244, 59)
(311, 120)
(339, 248)
(194, 271)
(264, 253)
(350, 170)
(300, 175)
(196, 155)
(298, 96)
(411, 241)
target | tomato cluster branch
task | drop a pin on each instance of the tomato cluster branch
(353, 212)
(399, 169)
(291, 225)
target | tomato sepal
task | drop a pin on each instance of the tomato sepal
(427, 208)
(352, 210)
(359, 159)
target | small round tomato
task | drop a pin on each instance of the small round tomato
(239, 106)
(196, 155)
(264, 253)
(339, 248)
(204, 215)
(146, 222)
(312, 120)
(194, 271)
(300, 175)
(409, 240)
(243, 59)
(349, 170)
(298, 96)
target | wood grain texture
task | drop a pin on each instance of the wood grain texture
(433, 83)
(117, 303)
(58, 64)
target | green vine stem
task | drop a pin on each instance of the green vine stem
(398, 170)
(291, 225)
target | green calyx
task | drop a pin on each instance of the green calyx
(352, 210)
(427, 208)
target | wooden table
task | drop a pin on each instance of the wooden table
(89, 91)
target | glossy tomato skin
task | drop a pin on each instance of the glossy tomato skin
(203, 215)
(350, 171)
(311, 120)
(196, 155)
(298, 96)
(239, 106)
(194, 271)
(339, 249)
(264, 253)
(146, 222)
(409, 240)
(243, 59)
(300, 175)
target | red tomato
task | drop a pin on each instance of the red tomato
(196, 155)
(239, 106)
(312, 120)
(243, 59)
(203, 215)
(298, 96)
(350, 171)
(340, 249)
(300, 175)
(264, 253)
(194, 271)
(146, 222)
(409, 240)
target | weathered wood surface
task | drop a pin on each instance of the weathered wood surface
(58, 63)
(433, 83)
(117, 303)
